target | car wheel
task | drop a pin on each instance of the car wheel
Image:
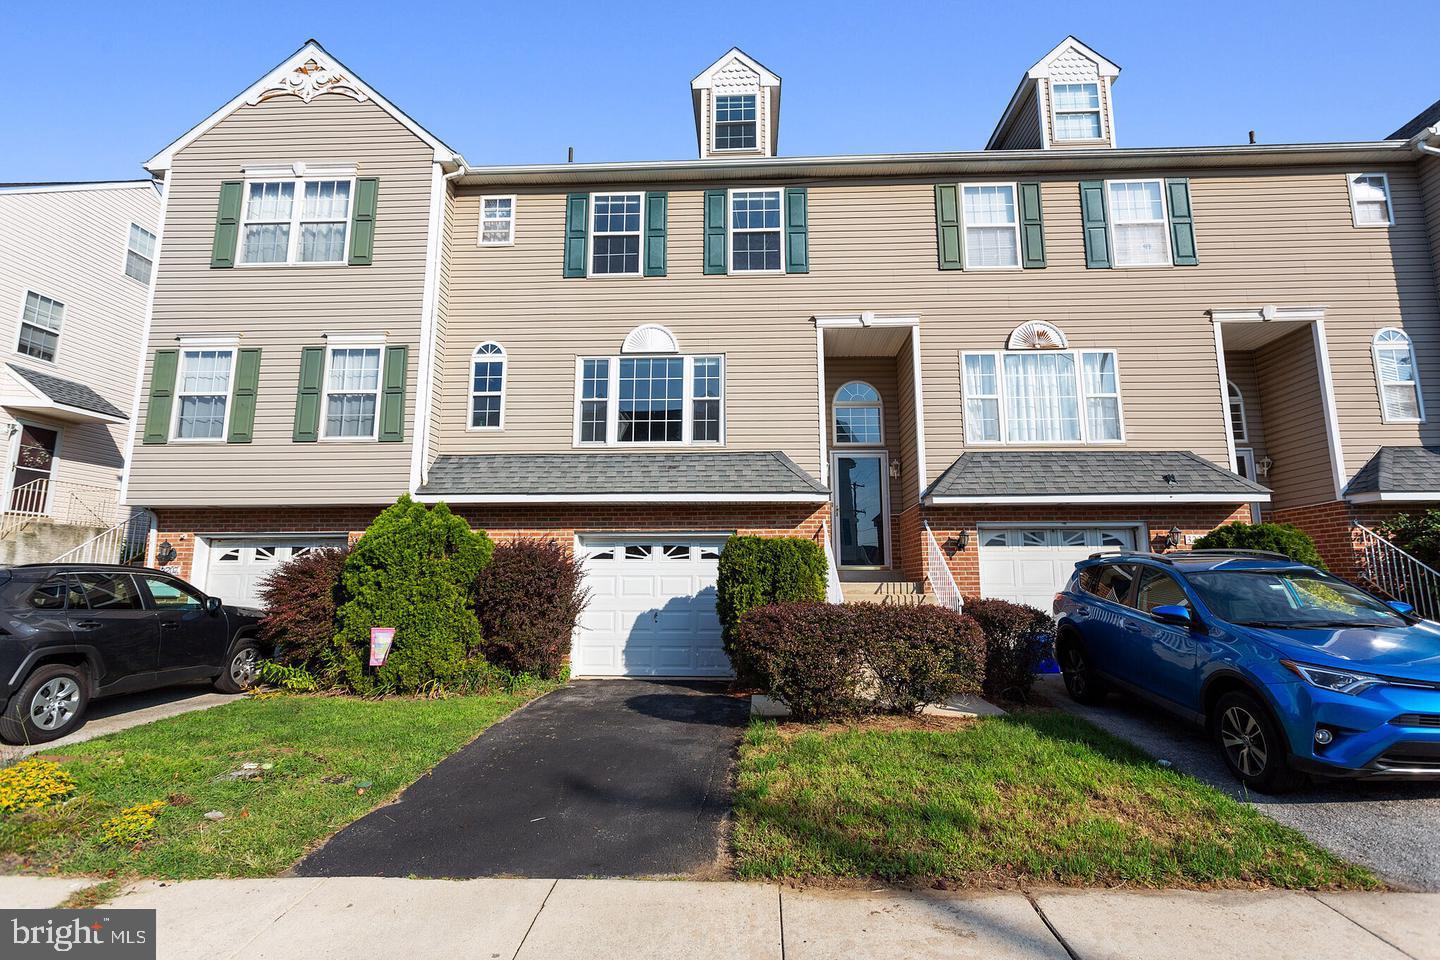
(1080, 680)
(242, 668)
(50, 704)
(1253, 745)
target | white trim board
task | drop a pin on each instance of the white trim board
(1025, 499)
(1398, 496)
(599, 498)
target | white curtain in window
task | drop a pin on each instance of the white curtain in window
(1372, 203)
(1395, 366)
(1102, 396)
(1041, 399)
(1138, 226)
(982, 399)
(990, 236)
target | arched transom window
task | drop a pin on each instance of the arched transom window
(487, 387)
(1400, 399)
(857, 414)
(1237, 413)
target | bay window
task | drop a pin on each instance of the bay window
(1042, 396)
(646, 400)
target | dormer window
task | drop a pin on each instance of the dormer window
(1077, 110)
(735, 122)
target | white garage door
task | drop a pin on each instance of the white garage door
(651, 609)
(1031, 564)
(234, 568)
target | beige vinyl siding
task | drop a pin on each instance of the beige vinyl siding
(1240, 370)
(1107, 135)
(442, 306)
(1287, 373)
(1024, 132)
(282, 309)
(909, 486)
(880, 373)
(71, 246)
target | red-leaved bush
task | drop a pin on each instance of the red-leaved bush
(528, 600)
(845, 660)
(1017, 638)
(300, 598)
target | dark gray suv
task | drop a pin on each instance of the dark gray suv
(73, 632)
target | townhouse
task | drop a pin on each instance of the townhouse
(958, 370)
(76, 263)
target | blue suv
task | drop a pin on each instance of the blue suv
(1293, 671)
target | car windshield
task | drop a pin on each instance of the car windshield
(1289, 599)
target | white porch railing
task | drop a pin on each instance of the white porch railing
(1395, 573)
(58, 501)
(937, 571)
(833, 591)
(125, 542)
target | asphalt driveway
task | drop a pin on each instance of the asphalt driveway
(603, 778)
(1388, 827)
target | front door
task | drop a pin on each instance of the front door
(1245, 466)
(34, 461)
(862, 509)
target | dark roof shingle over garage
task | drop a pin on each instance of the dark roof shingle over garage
(596, 477)
(68, 393)
(1081, 476)
(1396, 471)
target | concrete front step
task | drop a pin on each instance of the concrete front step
(43, 540)
(902, 592)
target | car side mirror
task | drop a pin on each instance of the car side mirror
(212, 604)
(1401, 607)
(1174, 615)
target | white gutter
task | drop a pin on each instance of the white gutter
(1000, 500)
(599, 498)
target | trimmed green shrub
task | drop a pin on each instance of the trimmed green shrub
(1017, 638)
(528, 599)
(838, 661)
(300, 600)
(413, 570)
(755, 571)
(1416, 534)
(1277, 537)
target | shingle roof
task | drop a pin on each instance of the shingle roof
(1399, 470)
(598, 474)
(1425, 118)
(68, 392)
(1111, 473)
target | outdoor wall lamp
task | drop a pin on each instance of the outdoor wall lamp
(895, 469)
(165, 553)
(1173, 537)
(958, 543)
(1263, 467)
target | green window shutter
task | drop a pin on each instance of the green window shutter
(162, 396)
(307, 400)
(1032, 227)
(797, 231)
(716, 233)
(947, 226)
(247, 384)
(392, 395)
(1182, 223)
(656, 208)
(227, 225)
(1094, 214)
(577, 232)
(362, 222)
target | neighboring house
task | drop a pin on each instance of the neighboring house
(76, 264)
(1039, 350)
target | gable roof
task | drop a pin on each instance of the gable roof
(1041, 68)
(768, 77)
(67, 393)
(1423, 120)
(280, 79)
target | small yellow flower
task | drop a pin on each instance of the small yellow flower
(31, 784)
(133, 825)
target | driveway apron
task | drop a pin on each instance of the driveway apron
(603, 778)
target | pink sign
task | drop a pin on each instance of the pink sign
(380, 640)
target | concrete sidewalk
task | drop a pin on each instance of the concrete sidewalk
(345, 917)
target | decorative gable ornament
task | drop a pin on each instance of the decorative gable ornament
(307, 81)
(650, 338)
(1037, 335)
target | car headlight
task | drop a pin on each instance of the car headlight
(1328, 678)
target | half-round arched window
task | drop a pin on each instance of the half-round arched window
(1237, 413)
(487, 387)
(1400, 400)
(857, 415)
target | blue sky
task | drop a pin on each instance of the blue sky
(93, 89)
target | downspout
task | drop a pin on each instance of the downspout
(1418, 143)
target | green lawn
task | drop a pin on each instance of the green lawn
(333, 759)
(1034, 797)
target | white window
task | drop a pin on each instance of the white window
(1400, 400)
(857, 415)
(735, 123)
(659, 399)
(352, 392)
(1140, 231)
(615, 234)
(1370, 200)
(1238, 429)
(1077, 110)
(497, 221)
(755, 241)
(487, 387)
(202, 393)
(40, 321)
(992, 227)
(1042, 396)
(277, 229)
(140, 254)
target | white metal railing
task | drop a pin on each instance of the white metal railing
(937, 571)
(1396, 573)
(833, 591)
(57, 501)
(125, 542)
